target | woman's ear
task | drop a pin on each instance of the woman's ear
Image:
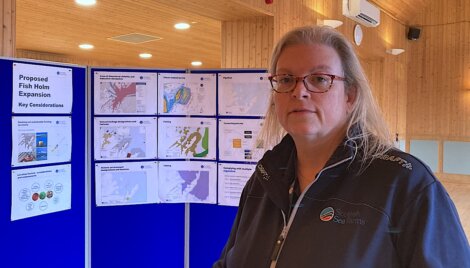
(351, 97)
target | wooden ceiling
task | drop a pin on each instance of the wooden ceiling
(57, 27)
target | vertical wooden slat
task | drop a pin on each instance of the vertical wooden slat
(8, 20)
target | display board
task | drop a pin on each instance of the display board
(42, 210)
(129, 228)
(173, 133)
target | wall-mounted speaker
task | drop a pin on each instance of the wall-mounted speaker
(413, 33)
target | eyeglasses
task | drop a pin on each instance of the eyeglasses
(316, 82)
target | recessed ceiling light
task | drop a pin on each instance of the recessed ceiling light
(182, 26)
(86, 46)
(196, 63)
(145, 55)
(86, 2)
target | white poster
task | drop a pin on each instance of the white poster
(126, 183)
(38, 191)
(41, 89)
(125, 93)
(238, 140)
(41, 140)
(243, 94)
(125, 138)
(232, 179)
(186, 94)
(187, 182)
(186, 138)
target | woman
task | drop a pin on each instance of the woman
(334, 192)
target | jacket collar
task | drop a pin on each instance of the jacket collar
(277, 169)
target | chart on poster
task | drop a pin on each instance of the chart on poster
(126, 183)
(238, 140)
(243, 94)
(37, 191)
(125, 93)
(184, 138)
(186, 94)
(41, 140)
(125, 138)
(184, 181)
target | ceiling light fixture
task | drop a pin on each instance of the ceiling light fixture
(182, 26)
(395, 51)
(86, 46)
(86, 2)
(331, 23)
(196, 63)
(145, 55)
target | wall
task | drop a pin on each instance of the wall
(241, 39)
(7, 33)
(439, 87)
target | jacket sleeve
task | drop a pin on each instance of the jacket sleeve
(222, 262)
(431, 234)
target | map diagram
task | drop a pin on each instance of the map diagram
(117, 97)
(194, 183)
(123, 142)
(125, 93)
(175, 95)
(249, 97)
(125, 138)
(186, 94)
(126, 183)
(186, 139)
(123, 187)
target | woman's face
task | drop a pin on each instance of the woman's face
(308, 115)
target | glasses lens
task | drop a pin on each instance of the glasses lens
(283, 82)
(318, 82)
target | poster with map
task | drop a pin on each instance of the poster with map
(232, 179)
(238, 140)
(41, 190)
(186, 138)
(187, 182)
(243, 94)
(125, 93)
(126, 183)
(41, 140)
(118, 138)
(186, 94)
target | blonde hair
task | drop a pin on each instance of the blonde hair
(374, 137)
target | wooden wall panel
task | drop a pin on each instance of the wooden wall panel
(247, 43)
(8, 31)
(438, 69)
(45, 56)
(387, 73)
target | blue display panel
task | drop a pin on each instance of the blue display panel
(209, 230)
(145, 235)
(56, 239)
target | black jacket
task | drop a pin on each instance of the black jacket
(393, 214)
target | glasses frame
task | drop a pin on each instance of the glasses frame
(297, 78)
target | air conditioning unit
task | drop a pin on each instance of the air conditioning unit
(362, 11)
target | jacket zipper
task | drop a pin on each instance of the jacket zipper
(285, 230)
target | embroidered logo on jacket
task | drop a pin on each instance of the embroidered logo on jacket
(339, 216)
(327, 214)
(263, 172)
(402, 162)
